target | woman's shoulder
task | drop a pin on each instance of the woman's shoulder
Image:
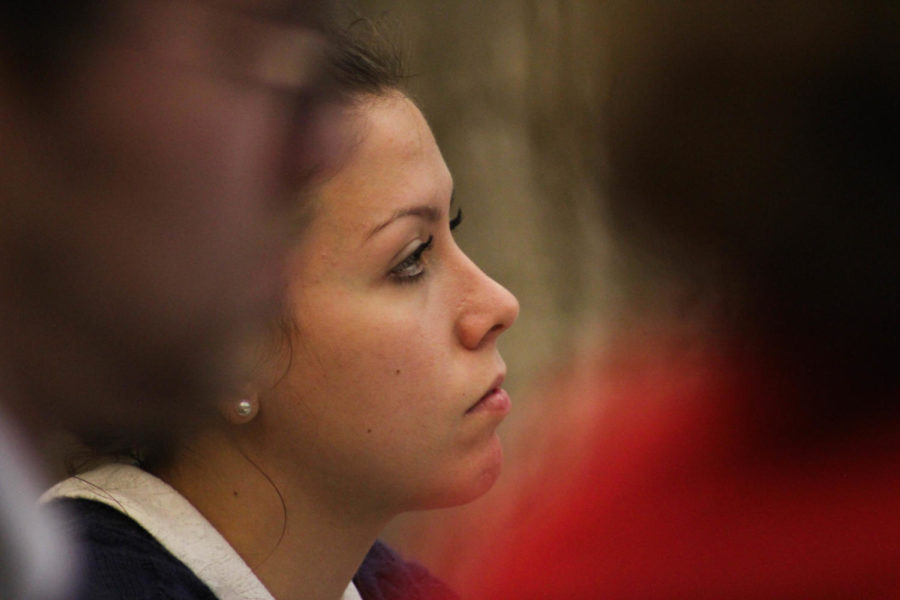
(386, 575)
(120, 559)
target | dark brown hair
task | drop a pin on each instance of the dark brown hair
(365, 60)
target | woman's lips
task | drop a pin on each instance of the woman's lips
(496, 400)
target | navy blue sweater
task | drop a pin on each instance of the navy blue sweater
(124, 562)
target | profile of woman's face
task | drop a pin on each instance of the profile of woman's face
(390, 398)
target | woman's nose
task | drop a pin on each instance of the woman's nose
(486, 310)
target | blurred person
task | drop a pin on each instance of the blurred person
(379, 394)
(741, 441)
(147, 147)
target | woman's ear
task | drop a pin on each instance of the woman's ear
(242, 409)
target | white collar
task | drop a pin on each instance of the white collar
(176, 524)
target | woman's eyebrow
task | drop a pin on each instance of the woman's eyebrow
(430, 213)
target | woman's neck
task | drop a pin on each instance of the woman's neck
(299, 545)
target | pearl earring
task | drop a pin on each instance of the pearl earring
(244, 408)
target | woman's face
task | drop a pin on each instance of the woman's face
(396, 333)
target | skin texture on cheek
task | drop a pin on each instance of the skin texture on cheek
(363, 393)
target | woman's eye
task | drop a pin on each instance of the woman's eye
(412, 268)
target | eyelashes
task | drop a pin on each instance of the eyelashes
(456, 220)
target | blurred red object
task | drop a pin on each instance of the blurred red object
(680, 489)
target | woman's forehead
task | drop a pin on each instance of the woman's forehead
(395, 161)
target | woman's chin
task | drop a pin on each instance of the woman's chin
(489, 473)
(471, 482)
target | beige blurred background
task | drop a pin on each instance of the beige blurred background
(508, 87)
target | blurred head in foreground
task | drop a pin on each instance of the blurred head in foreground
(754, 152)
(148, 151)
